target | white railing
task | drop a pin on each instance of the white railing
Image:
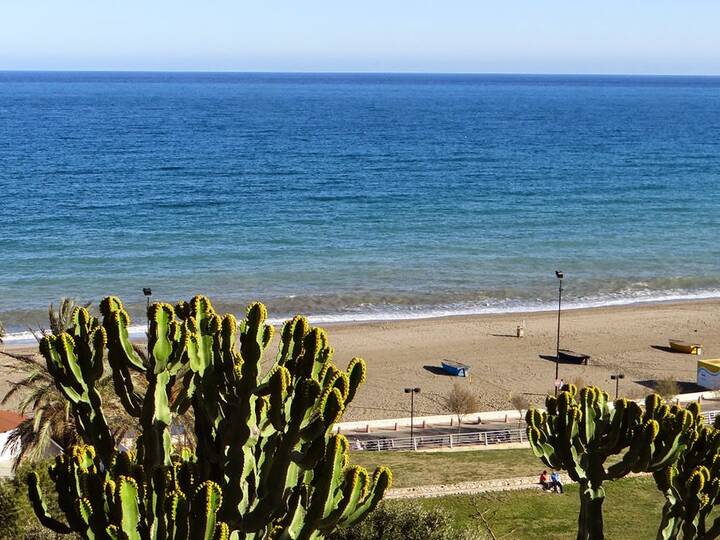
(455, 440)
(450, 440)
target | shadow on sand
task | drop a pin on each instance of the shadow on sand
(552, 357)
(665, 349)
(437, 370)
(685, 387)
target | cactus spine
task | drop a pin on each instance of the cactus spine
(266, 466)
(579, 431)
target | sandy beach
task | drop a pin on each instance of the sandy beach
(632, 339)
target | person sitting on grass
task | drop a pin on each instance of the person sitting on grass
(556, 483)
(544, 481)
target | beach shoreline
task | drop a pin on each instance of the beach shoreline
(23, 339)
(630, 339)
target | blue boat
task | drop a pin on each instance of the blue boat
(455, 368)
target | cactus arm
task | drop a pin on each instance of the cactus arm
(121, 354)
(222, 531)
(84, 512)
(117, 321)
(206, 502)
(40, 508)
(127, 504)
(381, 482)
(355, 488)
(614, 435)
(357, 374)
(177, 516)
(71, 362)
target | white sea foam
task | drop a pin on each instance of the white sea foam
(370, 313)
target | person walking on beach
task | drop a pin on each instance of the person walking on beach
(556, 483)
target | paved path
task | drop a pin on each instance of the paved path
(466, 488)
(474, 488)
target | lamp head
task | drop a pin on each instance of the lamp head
(147, 291)
(559, 274)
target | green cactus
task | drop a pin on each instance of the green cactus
(266, 465)
(579, 431)
(691, 485)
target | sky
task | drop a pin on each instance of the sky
(450, 36)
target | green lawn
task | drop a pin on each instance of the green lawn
(632, 506)
(631, 511)
(429, 468)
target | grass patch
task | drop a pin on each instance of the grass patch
(412, 469)
(632, 511)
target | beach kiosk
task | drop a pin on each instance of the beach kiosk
(708, 374)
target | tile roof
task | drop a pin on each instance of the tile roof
(9, 420)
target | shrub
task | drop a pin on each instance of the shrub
(520, 403)
(667, 388)
(13, 514)
(406, 521)
(17, 520)
(461, 401)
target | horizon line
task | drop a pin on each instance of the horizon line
(362, 72)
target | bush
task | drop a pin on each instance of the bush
(17, 519)
(14, 511)
(461, 401)
(667, 388)
(405, 521)
(520, 403)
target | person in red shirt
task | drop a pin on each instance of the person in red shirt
(544, 480)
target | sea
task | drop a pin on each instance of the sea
(352, 197)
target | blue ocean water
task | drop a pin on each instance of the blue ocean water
(357, 196)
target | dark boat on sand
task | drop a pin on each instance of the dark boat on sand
(572, 357)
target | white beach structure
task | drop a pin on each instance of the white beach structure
(9, 420)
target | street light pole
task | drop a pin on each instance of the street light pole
(147, 291)
(412, 392)
(616, 377)
(560, 276)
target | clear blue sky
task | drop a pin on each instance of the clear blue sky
(526, 36)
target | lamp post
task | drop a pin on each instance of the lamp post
(559, 275)
(616, 377)
(147, 291)
(412, 392)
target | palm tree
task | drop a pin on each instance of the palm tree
(59, 319)
(51, 424)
